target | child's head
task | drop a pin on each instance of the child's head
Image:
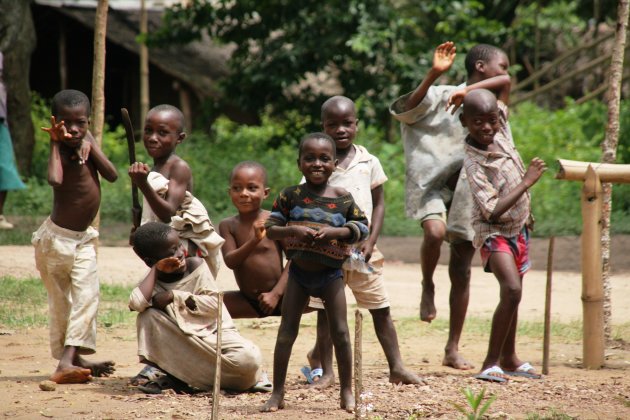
(154, 241)
(317, 157)
(339, 119)
(484, 61)
(73, 108)
(163, 130)
(481, 116)
(248, 186)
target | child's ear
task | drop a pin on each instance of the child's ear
(266, 191)
(480, 66)
(181, 136)
(336, 162)
(461, 119)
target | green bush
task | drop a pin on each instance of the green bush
(574, 132)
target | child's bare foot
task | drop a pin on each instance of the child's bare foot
(274, 403)
(71, 375)
(455, 360)
(404, 377)
(98, 369)
(325, 381)
(427, 305)
(347, 401)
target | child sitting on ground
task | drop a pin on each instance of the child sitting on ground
(177, 323)
(501, 215)
(167, 187)
(255, 259)
(65, 253)
(319, 222)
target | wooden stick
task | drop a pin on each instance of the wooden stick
(358, 364)
(547, 335)
(217, 370)
(592, 285)
(573, 170)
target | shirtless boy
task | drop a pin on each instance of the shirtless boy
(64, 244)
(255, 259)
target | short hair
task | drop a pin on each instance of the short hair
(317, 136)
(148, 237)
(250, 164)
(480, 52)
(480, 100)
(335, 100)
(70, 98)
(170, 108)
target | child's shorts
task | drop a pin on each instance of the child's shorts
(314, 282)
(517, 245)
(368, 289)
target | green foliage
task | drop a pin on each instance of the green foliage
(476, 410)
(553, 414)
(25, 304)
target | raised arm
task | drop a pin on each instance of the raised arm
(103, 165)
(443, 59)
(233, 255)
(500, 85)
(57, 132)
(534, 172)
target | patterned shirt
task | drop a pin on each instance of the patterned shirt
(493, 175)
(296, 206)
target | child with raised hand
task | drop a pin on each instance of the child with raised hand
(501, 215)
(177, 320)
(317, 222)
(436, 193)
(167, 186)
(65, 252)
(255, 259)
(361, 174)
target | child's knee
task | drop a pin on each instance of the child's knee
(512, 294)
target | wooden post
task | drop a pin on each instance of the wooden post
(358, 364)
(216, 391)
(144, 63)
(592, 287)
(547, 334)
(572, 170)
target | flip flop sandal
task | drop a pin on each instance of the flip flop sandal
(148, 373)
(157, 386)
(263, 385)
(526, 370)
(487, 375)
(311, 375)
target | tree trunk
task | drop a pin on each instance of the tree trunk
(609, 150)
(98, 71)
(144, 64)
(17, 41)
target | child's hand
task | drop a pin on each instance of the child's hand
(366, 249)
(57, 130)
(162, 299)
(170, 264)
(268, 302)
(259, 229)
(455, 100)
(444, 56)
(535, 170)
(304, 234)
(84, 151)
(325, 234)
(138, 173)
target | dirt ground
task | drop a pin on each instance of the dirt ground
(568, 389)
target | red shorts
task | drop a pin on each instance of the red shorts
(517, 245)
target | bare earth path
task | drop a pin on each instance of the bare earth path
(25, 358)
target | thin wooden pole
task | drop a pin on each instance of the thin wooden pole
(547, 335)
(592, 285)
(216, 391)
(144, 63)
(572, 170)
(358, 364)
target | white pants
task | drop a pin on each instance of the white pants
(66, 261)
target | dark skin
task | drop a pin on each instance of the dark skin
(340, 122)
(488, 75)
(255, 259)
(481, 117)
(316, 162)
(74, 164)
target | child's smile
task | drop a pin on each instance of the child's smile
(317, 161)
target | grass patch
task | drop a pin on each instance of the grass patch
(552, 415)
(25, 304)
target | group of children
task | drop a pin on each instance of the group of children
(460, 163)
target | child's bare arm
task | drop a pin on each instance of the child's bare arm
(146, 286)
(303, 233)
(233, 255)
(102, 163)
(443, 59)
(57, 132)
(376, 224)
(500, 85)
(533, 174)
(269, 300)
